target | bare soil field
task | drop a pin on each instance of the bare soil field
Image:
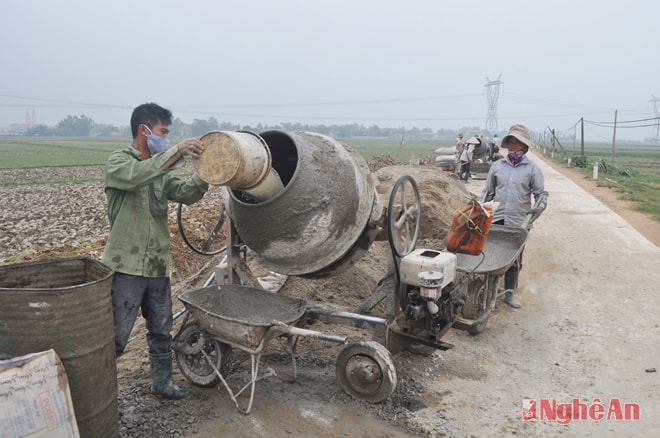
(588, 328)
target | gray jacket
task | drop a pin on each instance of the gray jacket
(513, 188)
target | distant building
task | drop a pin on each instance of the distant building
(30, 120)
(22, 128)
(18, 128)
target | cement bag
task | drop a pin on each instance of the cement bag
(470, 228)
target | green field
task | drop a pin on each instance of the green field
(23, 151)
(635, 171)
(641, 156)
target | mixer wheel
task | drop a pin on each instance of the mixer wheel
(404, 216)
(366, 371)
(188, 347)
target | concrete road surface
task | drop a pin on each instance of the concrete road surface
(586, 339)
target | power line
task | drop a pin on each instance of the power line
(543, 100)
(335, 103)
(597, 134)
(306, 116)
(261, 105)
(625, 121)
(67, 102)
(620, 127)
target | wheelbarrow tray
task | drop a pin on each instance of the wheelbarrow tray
(503, 245)
(241, 315)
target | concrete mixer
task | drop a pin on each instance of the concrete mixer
(306, 205)
(313, 213)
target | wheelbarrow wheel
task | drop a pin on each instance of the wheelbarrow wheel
(366, 371)
(191, 361)
(475, 306)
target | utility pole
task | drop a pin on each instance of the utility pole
(492, 94)
(552, 140)
(613, 139)
(656, 111)
(582, 137)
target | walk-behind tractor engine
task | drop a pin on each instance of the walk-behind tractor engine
(428, 294)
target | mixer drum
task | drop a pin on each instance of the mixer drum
(323, 220)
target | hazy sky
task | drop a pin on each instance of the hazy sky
(389, 63)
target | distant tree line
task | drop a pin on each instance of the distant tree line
(77, 126)
(83, 126)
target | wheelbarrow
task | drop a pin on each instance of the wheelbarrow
(233, 316)
(503, 246)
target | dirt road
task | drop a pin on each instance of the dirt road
(588, 329)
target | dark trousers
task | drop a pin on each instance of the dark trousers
(464, 174)
(153, 296)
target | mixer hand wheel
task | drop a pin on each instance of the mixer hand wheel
(404, 216)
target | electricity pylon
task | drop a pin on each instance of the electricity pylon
(492, 93)
(656, 111)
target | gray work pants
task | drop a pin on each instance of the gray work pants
(511, 275)
(153, 296)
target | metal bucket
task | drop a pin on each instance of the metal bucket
(65, 304)
(238, 159)
(323, 220)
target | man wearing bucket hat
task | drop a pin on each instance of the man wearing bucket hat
(512, 182)
(138, 186)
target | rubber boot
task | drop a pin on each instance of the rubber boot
(510, 284)
(161, 377)
(510, 299)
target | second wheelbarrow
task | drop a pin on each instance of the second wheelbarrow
(503, 247)
(247, 318)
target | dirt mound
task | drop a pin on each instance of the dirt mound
(441, 193)
(380, 161)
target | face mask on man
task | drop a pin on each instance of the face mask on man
(156, 143)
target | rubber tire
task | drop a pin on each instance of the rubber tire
(478, 328)
(471, 308)
(374, 358)
(195, 367)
